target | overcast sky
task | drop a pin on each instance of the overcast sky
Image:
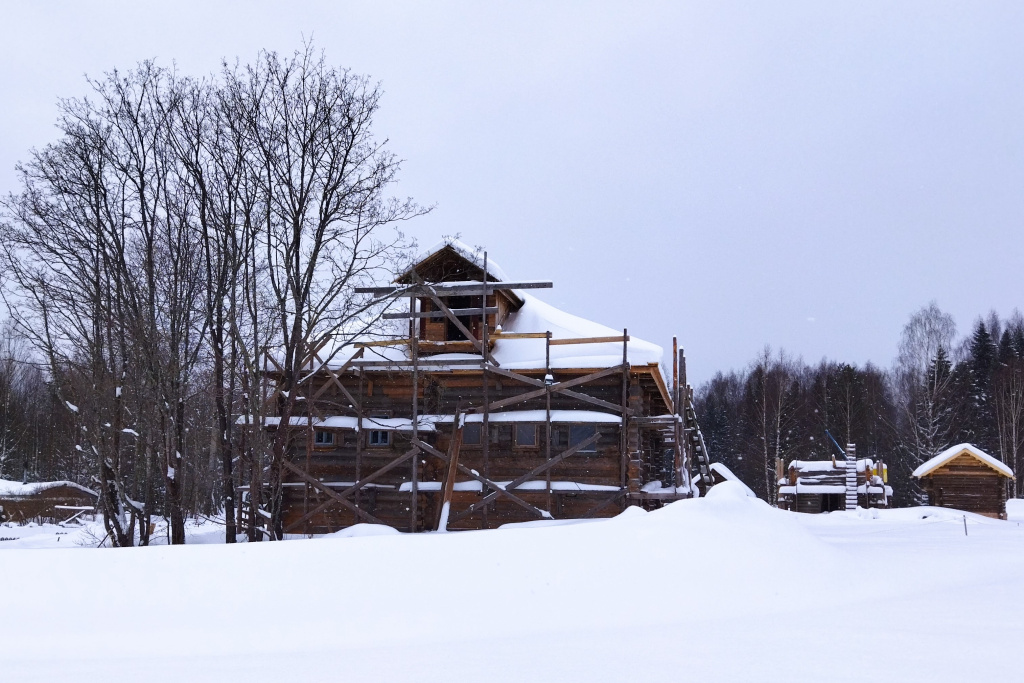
(803, 175)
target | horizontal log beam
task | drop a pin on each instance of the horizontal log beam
(444, 289)
(519, 335)
(405, 315)
(588, 340)
(421, 363)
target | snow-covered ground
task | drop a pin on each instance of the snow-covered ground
(719, 589)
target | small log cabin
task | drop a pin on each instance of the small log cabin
(47, 501)
(497, 408)
(821, 485)
(966, 478)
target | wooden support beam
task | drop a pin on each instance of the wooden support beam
(462, 328)
(448, 484)
(608, 405)
(483, 480)
(554, 389)
(529, 475)
(463, 312)
(337, 381)
(605, 503)
(514, 376)
(338, 498)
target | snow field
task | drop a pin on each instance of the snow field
(717, 589)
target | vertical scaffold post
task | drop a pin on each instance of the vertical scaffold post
(359, 435)
(414, 346)
(485, 428)
(548, 380)
(623, 446)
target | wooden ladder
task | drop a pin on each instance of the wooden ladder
(701, 463)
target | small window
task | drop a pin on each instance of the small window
(322, 438)
(580, 433)
(471, 434)
(379, 437)
(526, 435)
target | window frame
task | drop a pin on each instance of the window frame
(318, 443)
(592, 448)
(536, 436)
(479, 435)
(384, 435)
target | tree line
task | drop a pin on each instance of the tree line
(177, 230)
(940, 391)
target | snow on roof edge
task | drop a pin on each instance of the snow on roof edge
(471, 254)
(952, 452)
(16, 489)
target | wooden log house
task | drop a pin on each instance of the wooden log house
(497, 408)
(966, 478)
(45, 501)
(824, 485)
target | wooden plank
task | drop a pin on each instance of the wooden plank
(400, 364)
(464, 312)
(615, 407)
(448, 484)
(588, 340)
(519, 335)
(446, 288)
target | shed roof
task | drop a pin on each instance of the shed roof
(956, 451)
(16, 489)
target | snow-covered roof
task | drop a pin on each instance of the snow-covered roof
(534, 485)
(961, 449)
(425, 423)
(474, 255)
(836, 464)
(16, 489)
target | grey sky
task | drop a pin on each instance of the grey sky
(798, 174)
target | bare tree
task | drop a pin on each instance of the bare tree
(924, 385)
(321, 181)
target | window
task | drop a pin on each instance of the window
(322, 438)
(580, 433)
(526, 436)
(471, 434)
(379, 437)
